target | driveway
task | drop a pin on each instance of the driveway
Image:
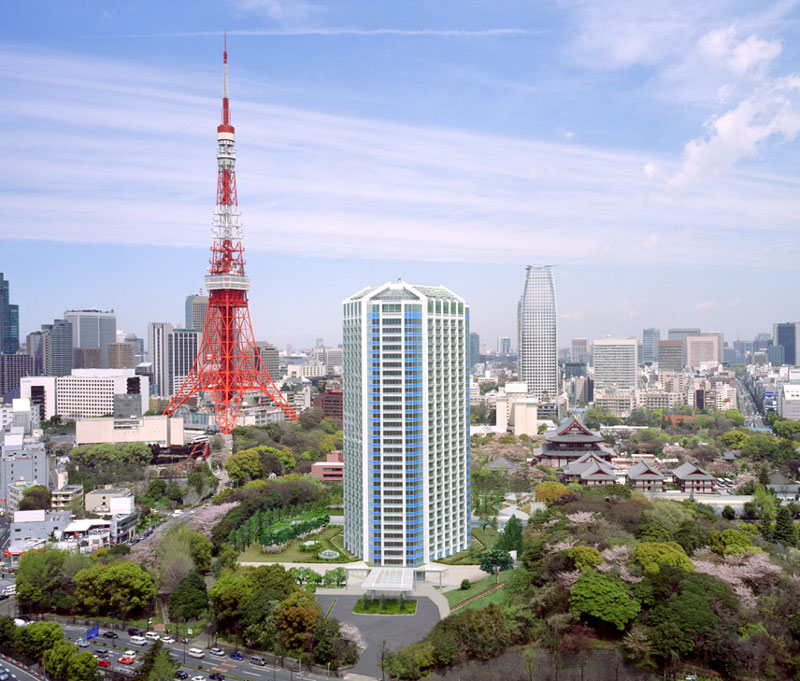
(397, 630)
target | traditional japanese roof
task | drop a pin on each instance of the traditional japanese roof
(590, 464)
(595, 471)
(501, 463)
(729, 455)
(644, 471)
(688, 471)
(574, 432)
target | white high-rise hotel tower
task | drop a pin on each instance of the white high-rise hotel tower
(537, 331)
(406, 424)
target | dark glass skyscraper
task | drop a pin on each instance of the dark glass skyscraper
(9, 320)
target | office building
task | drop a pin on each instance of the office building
(60, 347)
(37, 345)
(9, 320)
(84, 393)
(12, 369)
(121, 355)
(650, 338)
(537, 333)
(670, 356)
(331, 402)
(702, 350)
(158, 356)
(580, 350)
(270, 359)
(503, 345)
(182, 349)
(87, 358)
(615, 364)
(93, 329)
(196, 309)
(406, 424)
(787, 335)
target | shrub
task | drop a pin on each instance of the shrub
(465, 584)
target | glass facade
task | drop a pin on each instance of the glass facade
(406, 424)
(9, 320)
(537, 332)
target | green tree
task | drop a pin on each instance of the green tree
(729, 513)
(163, 668)
(244, 466)
(652, 555)
(604, 598)
(200, 549)
(190, 600)
(729, 542)
(584, 557)
(550, 492)
(785, 529)
(174, 492)
(494, 561)
(259, 621)
(82, 667)
(197, 481)
(35, 498)
(56, 658)
(8, 631)
(33, 640)
(228, 595)
(120, 587)
(511, 537)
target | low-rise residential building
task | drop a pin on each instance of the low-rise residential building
(100, 500)
(693, 479)
(330, 470)
(16, 490)
(63, 497)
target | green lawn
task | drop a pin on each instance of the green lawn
(481, 539)
(486, 537)
(329, 538)
(457, 596)
(497, 598)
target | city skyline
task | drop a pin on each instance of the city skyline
(652, 163)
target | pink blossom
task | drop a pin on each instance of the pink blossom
(568, 579)
(626, 576)
(352, 633)
(616, 554)
(564, 544)
(205, 519)
(581, 517)
(605, 567)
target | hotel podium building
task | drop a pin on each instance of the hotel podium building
(406, 424)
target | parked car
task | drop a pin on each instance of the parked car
(236, 655)
(260, 661)
(153, 636)
(167, 639)
(126, 659)
(110, 634)
(103, 662)
(217, 652)
(182, 675)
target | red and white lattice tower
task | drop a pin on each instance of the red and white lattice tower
(228, 363)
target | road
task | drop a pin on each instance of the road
(747, 407)
(242, 670)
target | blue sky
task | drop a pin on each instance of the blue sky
(650, 153)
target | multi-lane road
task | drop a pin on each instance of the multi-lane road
(241, 670)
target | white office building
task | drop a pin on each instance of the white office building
(182, 347)
(538, 335)
(158, 355)
(616, 364)
(406, 424)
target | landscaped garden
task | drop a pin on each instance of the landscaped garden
(328, 539)
(385, 606)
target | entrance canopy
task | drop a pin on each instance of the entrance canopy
(389, 579)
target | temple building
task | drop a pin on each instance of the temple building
(569, 443)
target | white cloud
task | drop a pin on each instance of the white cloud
(279, 10)
(705, 305)
(750, 55)
(318, 184)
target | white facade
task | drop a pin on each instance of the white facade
(182, 351)
(537, 333)
(406, 424)
(789, 402)
(85, 392)
(160, 430)
(702, 350)
(93, 329)
(158, 355)
(526, 417)
(615, 364)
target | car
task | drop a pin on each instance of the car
(20, 622)
(101, 652)
(126, 659)
(4, 675)
(182, 675)
(138, 640)
(133, 631)
(217, 652)
(260, 661)
(110, 634)
(4, 596)
(129, 653)
(82, 643)
(167, 639)
(153, 636)
(199, 677)
(103, 662)
(10, 590)
(216, 677)
(196, 652)
(236, 655)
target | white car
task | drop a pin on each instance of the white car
(129, 653)
(138, 640)
(218, 652)
(167, 639)
(195, 652)
(198, 678)
(153, 636)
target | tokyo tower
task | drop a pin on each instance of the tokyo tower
(228, 363)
